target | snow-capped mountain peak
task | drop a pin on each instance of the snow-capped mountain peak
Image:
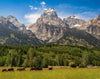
(73, 16)
(50, 10)
(77, 25)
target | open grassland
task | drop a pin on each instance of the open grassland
(53, 74)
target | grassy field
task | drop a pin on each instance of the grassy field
(53, 74)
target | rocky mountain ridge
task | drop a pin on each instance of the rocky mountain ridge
(16, 38)
(12, 23)
(92, 26)
(49, 28)
(74, 22)
(7, 23)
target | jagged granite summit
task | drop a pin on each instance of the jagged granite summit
(7, 23)
(14, 21)
(74, 22)
(49, 27)
(92, 26)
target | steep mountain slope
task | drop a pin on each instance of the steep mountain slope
(80, 38)
(14, 21)
(7, 23)
(10, 37)
(74, 22)
(49, 27)
(94, 27)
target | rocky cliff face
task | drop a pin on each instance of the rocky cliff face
(12, 37)
(7, 23)
(14, 21)
(49, 27)
(50, 17)
(74, 22)
(79, 38)
(92, 26)
(95, 21)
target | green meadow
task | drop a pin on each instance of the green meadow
(53, 74)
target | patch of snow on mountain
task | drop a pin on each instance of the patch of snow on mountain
(77, 25)
(50, 10)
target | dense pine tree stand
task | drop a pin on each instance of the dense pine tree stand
(48, 55)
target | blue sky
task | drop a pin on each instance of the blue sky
(27, 11)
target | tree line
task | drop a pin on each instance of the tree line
(48, 55)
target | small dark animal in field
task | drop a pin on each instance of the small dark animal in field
(11, 69)
(20, 69)
(50, 68)
(32, 68)
(4, 70)
(39, 68)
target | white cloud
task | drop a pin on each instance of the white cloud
(65, 10)
(33, 8)
(87, 15)
(31, 18)
(43, 3)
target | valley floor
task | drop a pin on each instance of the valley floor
(53, 74)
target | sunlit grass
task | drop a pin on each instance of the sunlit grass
(54, 74)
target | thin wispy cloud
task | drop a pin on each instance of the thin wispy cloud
(31, 18)
(43, 3)
(87, 15)
(65, 10)
(33, 8)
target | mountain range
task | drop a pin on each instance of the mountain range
(49, 28)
